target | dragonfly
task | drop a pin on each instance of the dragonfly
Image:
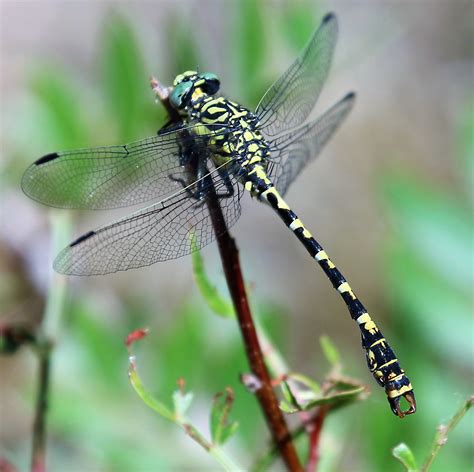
(217, 146)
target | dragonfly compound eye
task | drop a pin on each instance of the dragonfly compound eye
(181, 95)
(211, 83)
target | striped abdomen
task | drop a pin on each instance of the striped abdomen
(381, 360)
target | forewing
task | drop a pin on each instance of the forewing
(290, 153)
(289, 101)
(169, 229)
(110, 177)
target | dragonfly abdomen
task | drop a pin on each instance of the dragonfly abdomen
(381, 360)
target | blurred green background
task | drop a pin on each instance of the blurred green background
(391, 199)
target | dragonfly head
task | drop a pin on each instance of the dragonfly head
(190, 85)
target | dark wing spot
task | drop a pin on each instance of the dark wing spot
(328, 17)
(47, 158)
(349, 96)
(82, 238)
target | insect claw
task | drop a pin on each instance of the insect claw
(395, 404)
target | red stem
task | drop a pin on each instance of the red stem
(314, 439)
(231, 264)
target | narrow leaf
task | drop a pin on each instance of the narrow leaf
(404, 454)
(156, 405)
(287, 408)
(218, 304)
(334, 400)
(330, 351)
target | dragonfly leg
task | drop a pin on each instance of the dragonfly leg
(169, 126)
(230, 190)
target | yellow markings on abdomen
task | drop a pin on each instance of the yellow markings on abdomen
(368, 323)
(397, 393)
(296, 224)
(390, 362)
(379, 341)
(345, 287)
(394, 378)
(322, 256)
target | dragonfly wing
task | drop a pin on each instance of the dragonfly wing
(290, 153)
(109, 177)
(289, 101)
(166, 230)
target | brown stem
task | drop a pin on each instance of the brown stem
(314, 439)
(231, 264)
(265, 394)
(38, 454)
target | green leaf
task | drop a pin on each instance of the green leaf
(403, 453)
(182, 401)
(125, 82)
(337, 399)
(334, 400)
(221, 428)
(288, 408)
(218, 304)
(298, 389)
(149, 400)
(330, 351)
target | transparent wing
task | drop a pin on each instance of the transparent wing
(113, 176)
(289, 101)
(157, 233)
(290, 153)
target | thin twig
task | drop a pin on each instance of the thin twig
(45, 340)
(315, 425)
(441, 437)
(232, 270)
(38, 453)
(314, 438)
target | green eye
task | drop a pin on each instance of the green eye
(179, 96)
(209, 76)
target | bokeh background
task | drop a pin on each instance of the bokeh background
(390, 198)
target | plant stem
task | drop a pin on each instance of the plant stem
(38, 455)
(46, 336)
(314, 438)
(232, 270)
(443, 431)
(265, 394)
